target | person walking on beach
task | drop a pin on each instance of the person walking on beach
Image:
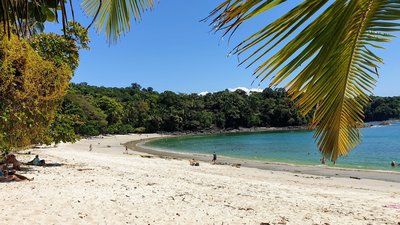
(126, 150)
(393, 163)
(90, 147)
(323, 160)
(214, 158)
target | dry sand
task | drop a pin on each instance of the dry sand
(105, 186)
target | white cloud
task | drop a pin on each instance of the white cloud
(203, 93)
(247, 90)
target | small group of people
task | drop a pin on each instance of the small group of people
(194, 162)
(393, 163)
(324, 162)
(8, 175)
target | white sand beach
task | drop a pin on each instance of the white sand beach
(105, 186)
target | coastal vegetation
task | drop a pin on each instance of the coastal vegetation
(382, 108)
(90, 110)
(30, 90)
(101, 110)
(35, 75)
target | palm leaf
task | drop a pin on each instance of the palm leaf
(330, 44)
(114, 16)
(26, 18)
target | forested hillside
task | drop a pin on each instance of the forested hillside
(383, 108)
(91, 110)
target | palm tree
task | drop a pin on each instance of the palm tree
(330, 44)
(114, 16)
(25, 17)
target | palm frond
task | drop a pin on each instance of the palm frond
(24, 17)
(114, 16)
(330, 43)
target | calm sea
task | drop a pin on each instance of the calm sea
(380, 145)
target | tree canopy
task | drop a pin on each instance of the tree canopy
(30, 91)
(35, 75)
(101, 110)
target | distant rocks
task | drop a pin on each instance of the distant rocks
(366, 125)
(242, 129)
(380, 123)
(385, 123)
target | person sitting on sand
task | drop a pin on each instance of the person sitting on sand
(37, 162)
(6, 176)
(193, 162)
(11, 159)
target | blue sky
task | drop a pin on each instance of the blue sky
(171, 50)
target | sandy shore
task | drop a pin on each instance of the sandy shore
(105, 186)
(320, 170)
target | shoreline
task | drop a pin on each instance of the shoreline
(240, 130)
(106, 185)
(381, 175)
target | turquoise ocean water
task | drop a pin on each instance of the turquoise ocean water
(380, 145)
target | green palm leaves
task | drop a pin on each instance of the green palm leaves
(25, 17)
(114, 16)
(326, 47)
